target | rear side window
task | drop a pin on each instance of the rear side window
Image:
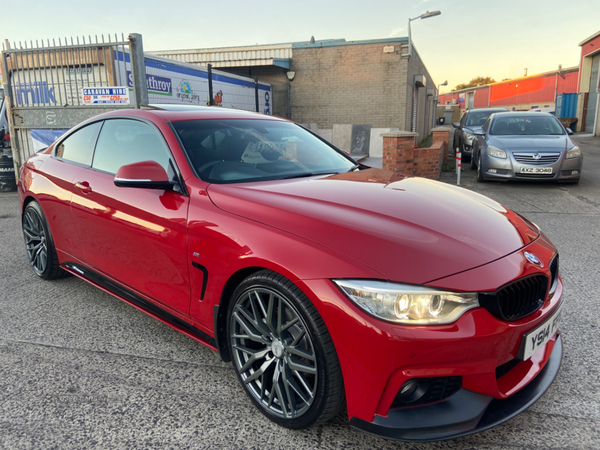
(79, 147)
(124, 141)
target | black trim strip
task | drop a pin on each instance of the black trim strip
(139, 301)
(204, 280)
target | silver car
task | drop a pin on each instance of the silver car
(525, 146)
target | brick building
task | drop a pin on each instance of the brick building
(371, 82)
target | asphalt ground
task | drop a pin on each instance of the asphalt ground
(81, 369)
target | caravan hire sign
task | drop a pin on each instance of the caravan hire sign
(105, 95)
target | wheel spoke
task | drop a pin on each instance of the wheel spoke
(288, 378)
(255, 321)
(302, 353)
(251, 335)
(269, 316)
(297, 339)
(301, 367)
(260, 371)
(255, 356)
(302, 380)
(291, 323)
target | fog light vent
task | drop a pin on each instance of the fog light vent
(420, 391)
(506, 367)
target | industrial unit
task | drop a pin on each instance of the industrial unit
(374, 82)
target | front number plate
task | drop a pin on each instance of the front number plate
(539, 337)
(536, 169)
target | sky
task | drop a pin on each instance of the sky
(470, 38)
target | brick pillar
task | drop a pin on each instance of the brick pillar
(442, 134)
(398, 151)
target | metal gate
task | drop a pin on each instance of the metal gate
(45, 84)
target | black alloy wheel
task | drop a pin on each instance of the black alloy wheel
(283, 353)
(39, 244)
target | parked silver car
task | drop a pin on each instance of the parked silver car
(525, 146)
(471, 122)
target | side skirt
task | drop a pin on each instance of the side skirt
(140, 303)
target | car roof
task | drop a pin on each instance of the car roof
(488, 109)
(525, 114)
(180, 112)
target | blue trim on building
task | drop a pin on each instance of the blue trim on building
(282, 62)
(344, 42)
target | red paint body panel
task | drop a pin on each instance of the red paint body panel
(397, 225)
(136, 235)
(368, 224)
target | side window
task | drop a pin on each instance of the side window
(124, 141)
(79, 147)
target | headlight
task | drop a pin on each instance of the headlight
(496, 152)
(411, 305)
(469, 136)
(573, 153)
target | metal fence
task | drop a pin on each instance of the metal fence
(45, 83)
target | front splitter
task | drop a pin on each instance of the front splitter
(464, 413)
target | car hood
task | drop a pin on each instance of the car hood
(408, 229)
(555, 143)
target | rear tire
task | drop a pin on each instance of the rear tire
(39, 244)
(282, 352)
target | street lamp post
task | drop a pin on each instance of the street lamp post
(427, 15)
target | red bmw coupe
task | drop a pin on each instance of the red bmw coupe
(324, 281)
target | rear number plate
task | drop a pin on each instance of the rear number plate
(539, 337)
(536, 169)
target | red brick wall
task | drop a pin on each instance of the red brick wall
(399, 155)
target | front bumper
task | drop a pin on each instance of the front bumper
(510, 168)
(377, 358)
(464, 413)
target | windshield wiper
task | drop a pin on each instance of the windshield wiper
(308, 174)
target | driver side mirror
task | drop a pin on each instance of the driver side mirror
(456, 124)
(143, 174)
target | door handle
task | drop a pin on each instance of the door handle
(84, 187)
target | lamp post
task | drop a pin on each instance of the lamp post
(445, 83)
(290, 76)
(427, 15)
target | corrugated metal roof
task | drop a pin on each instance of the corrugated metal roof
(258, 55)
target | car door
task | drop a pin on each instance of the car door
(70, 156)
(136, 236)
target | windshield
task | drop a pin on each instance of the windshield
(533, 125)
(477, 119)
(230, 151)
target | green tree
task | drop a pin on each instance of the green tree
(477, 81)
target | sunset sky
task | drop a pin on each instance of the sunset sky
(470, 38)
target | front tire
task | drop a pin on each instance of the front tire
(39, 244)
(282, 352)
(479, 169)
